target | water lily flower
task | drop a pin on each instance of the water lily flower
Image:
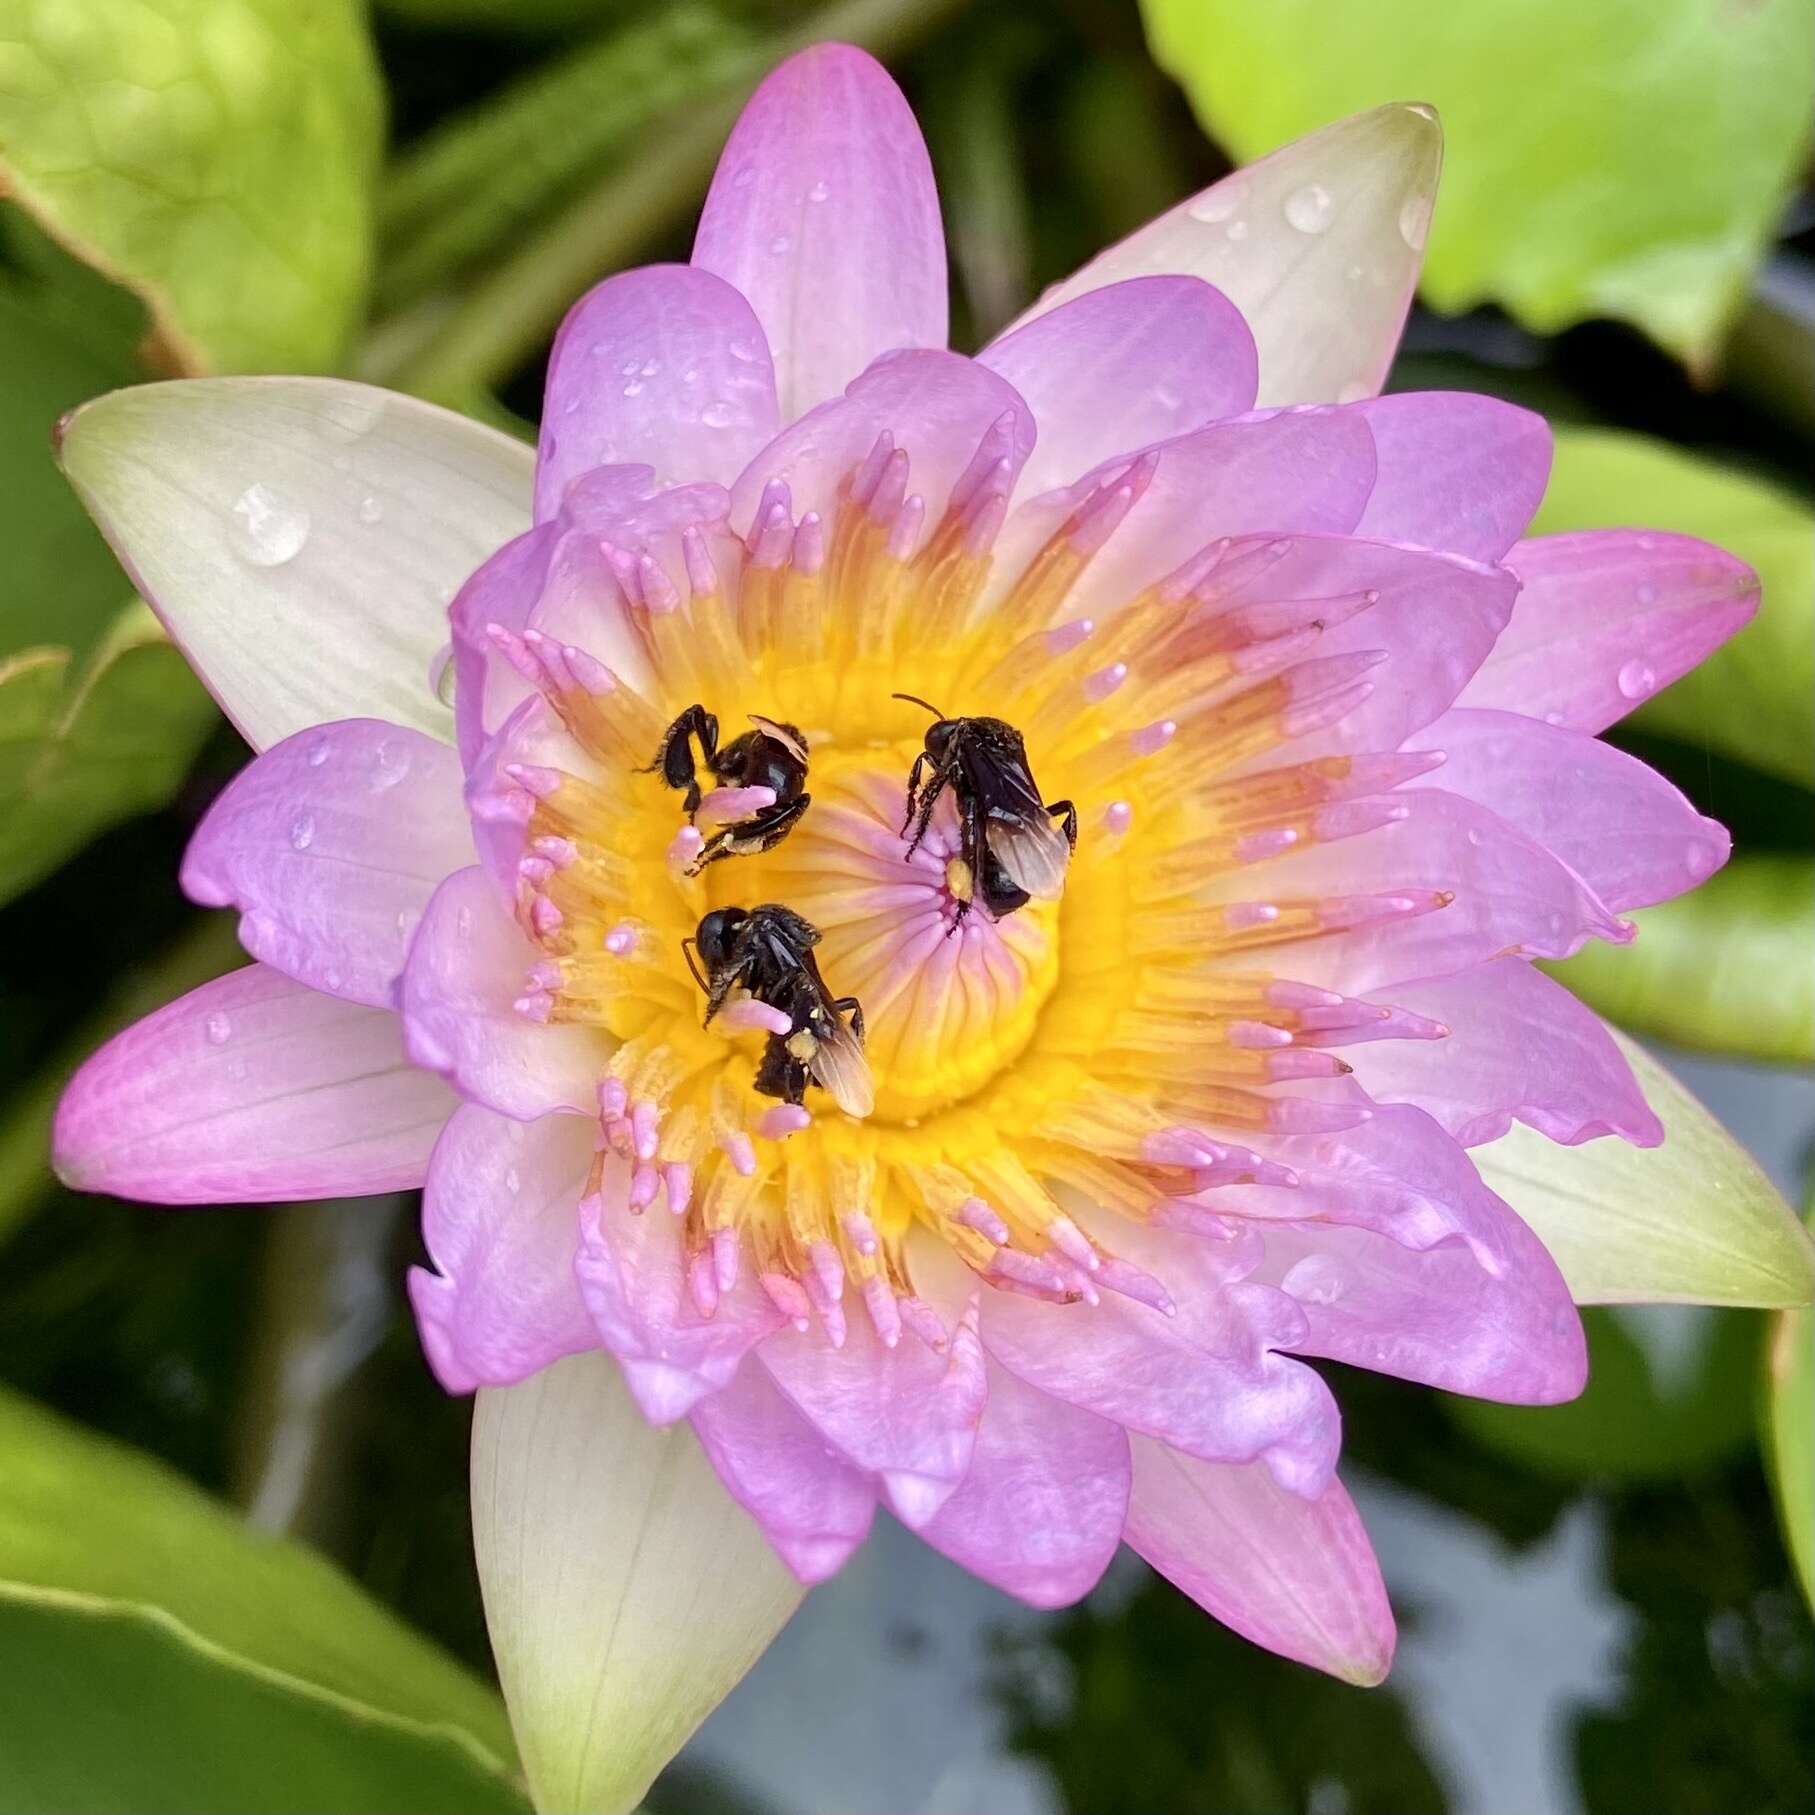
(1139, 1155)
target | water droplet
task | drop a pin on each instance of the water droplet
(1216, 204)
(571, 407)
(1236, 230)
(1353, 274)
(1415, 221)
(1165, 397)
(650, 367)
(463, 923)
(629, 367)
(1636, 679)
(742, 349)
(1310, 209)
(691, 375)
(302, 832)
(818, 192)
(390, 766)
(779, 244)
(370, 509)
(634, 388)
(220, 1030)
(331, 978)
(513, 1180)
(718, 415)
(268, 529)
(350, 413)
(441, 675)
(405, 921)
(1316, 1280)
(746, 175)
(319, 751)
(1555, 718)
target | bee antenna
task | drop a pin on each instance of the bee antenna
(914, 699)
(688, 946)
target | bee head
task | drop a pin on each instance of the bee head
(716, 931)
(939, 736)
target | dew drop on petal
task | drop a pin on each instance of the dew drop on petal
(634, 388)
(268, 529)
(441, 675)
(1310, 209)
(1216, 204)
(819, 192)
(742, 350)
(220, 1030)
(780, 244)
(513, 1180)
(1315, 1280)
(1415, 221)
(347, 415)
(370, 509)
(718, 415)
(1236, 230)
(319, 752)
(1636, 679)
(302, 832)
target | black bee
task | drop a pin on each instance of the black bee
(773, 755)
(1011, 848)
(767, 952)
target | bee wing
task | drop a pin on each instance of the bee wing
(1033, 853)
(839, 1067)
(789, 739)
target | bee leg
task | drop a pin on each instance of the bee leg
(746, 837)
(913, 791)
(675, 758)
(929, 800)
(781, 1074)
(1068, 819)
(851, 1006)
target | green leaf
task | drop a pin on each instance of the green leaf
(1627, 158)
(484, 176)
(1668, 1395)
(1724, 968)
(1789, 1436)
(60, 584)
(1691, 1222)
(81, 751)
(1754, 698)
(506, 15)
(158, 1654)
(215, 156)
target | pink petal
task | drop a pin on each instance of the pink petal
(632, 1270)
(1431, 1315)
(330, 845)
(1040, 1513)
(1607, 618)
(501, 1219)
(502, 591)
(1435, 616)
(937, 406)
(466, 967)
(1208, 1379)
(250, 1089)
(1125, 366)
(666, 367)
(1306, 471)
(824, 214)
(1519, 1045)
(534, 736)
(1458, 472)
(1631, 836)
(1297, 1576)
(1405, 1262)
(1507, 894)
(904, 1414)
(812, 1507)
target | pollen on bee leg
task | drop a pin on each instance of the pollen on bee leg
(684, 847)
(959, 882)
(747, 1015)
(735, 803)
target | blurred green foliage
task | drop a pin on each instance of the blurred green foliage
(1627, 158)
(200, 185)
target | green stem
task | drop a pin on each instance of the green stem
(506, 314)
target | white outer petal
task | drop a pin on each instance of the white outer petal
(1691, 1222)
(625, 1590)
(403, 500)
(1325, 308)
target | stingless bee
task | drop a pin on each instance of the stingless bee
(1010, 846)
(767, 952)
(773, 755)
